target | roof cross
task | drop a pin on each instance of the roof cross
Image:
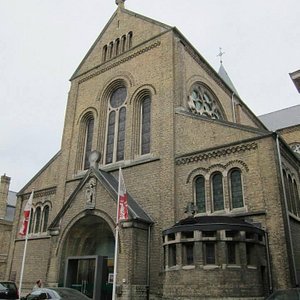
(220, 55)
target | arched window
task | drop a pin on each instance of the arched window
(89, 130)
(287, 191)
(236, 189)
(37, 220)
(45, 218)
(111, 48)
(217, 191)
(145, 135)
(200, 194)
(123, 43)
(104, 53)
(297, 198)
(116, 123)
(292, 195)
(30, 230)
(202, 101)
(130, 34)
(117, 47)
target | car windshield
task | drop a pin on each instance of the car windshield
(286, 295)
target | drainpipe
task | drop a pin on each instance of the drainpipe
(270, 279)
(286, 212)
(148, 264)
(233, 108)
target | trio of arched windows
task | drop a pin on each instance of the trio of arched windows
(120, 45)
(217, 190)
(292, 194)
(116, 126)
(39, 219)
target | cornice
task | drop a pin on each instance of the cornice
(216, 153)
(40, 193)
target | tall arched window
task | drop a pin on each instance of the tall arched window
(145, 135)
(287, 191)
(37, 220)
(217, 191)
(130, 34)
(111, 47)
(292, 195)
(89, 130)
(297, 198)
(45, 218)
(236, 189)
(30, 230)
(117, 47)
(200, 194)
(104, 53)
(116, 123)
(123, 43)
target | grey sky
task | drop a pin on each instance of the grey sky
(43, 41)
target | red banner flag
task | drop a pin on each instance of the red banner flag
(122, 199)
(26, 216)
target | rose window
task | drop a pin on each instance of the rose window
(202, 102)
(296, 147)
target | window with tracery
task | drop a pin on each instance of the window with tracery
(203, 102)
(296, 147)
(115, 137)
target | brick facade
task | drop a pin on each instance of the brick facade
(160, 62)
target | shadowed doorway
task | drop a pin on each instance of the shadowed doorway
(87, 255)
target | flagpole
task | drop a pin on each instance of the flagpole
(25, 247)
(116, 242)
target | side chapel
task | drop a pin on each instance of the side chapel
(213, 195)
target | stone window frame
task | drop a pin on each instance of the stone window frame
(115, 128)
(245, 246)
(292, 192)
(85, 138)
(210, 105)
(142, 93)
(207, 174)
(117, 46)
(39, 208)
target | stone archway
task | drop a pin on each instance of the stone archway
(88, 241)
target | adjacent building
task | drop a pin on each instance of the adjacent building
(213, 194)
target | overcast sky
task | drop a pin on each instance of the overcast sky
(43, 41)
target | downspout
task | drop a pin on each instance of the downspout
(270, 279)
(148, 264)
(286, 212)
(233, 108)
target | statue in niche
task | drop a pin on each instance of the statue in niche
(90, 194)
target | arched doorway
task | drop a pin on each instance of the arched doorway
(87, 257)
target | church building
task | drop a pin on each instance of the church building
(213, 195)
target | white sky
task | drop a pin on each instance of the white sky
(43, 41)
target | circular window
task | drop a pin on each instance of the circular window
(118, 97)
(296, 147)
(202, 102)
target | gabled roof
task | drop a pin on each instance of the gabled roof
(125, 11)
(110, 183)
(282, 118)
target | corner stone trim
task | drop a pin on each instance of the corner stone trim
(215, 153)
(123, 60)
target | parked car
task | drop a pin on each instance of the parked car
(8, 290)
(288, 294)
(59, 293)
